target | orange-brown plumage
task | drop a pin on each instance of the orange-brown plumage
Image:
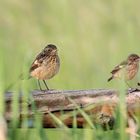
(46, 65)
(127, 69)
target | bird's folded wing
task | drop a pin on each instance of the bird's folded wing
(38, 61)
(118, 67)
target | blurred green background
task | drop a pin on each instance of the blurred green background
(92, 37)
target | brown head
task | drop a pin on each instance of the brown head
(133, 58)
(50, 50)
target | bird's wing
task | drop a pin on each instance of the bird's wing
(38, 61)
(118, 67)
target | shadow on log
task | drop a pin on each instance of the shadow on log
(99, 105)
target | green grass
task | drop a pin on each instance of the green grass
(92, 37)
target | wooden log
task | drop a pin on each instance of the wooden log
(98, 104)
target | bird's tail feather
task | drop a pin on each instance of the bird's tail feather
(20, 77)
(24, 77)
(110, 78)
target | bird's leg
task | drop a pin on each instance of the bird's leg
(130, 90)
(128, 85)
(46, 84)
(39, 85)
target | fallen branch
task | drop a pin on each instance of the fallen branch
(99, 105)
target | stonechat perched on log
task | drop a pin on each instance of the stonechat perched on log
(126, 69)
(46, 65)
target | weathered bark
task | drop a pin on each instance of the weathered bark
(98, 104)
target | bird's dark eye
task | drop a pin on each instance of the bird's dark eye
(49, 50)
(135, 58)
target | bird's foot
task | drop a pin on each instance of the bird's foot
(43, 90)
(49, 90)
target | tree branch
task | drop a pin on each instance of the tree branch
(98, 104)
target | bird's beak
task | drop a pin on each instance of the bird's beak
(54, 51)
